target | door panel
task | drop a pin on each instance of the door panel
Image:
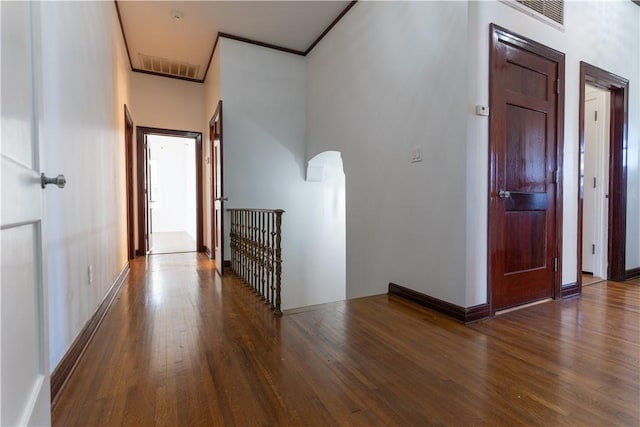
(526, 252)
(525, 150)
(148, 202)
(589, 201)
(24, 356)
(523, 138)
(218, 190)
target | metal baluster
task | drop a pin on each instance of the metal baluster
(236, 266)
(253, 252)
(259, 253)
(278, 214)
(244, 246)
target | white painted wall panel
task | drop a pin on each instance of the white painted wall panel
(211, 98)
(167, 103)
(85, 86)
(388, 77)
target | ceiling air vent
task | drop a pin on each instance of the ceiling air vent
(552, 9)
(168, 66)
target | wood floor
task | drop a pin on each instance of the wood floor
(171, 242)
(590, 279)
(180, 347)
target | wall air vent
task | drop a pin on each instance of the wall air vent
(168, 66)
(552, 9)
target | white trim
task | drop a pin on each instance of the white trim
(536, 15)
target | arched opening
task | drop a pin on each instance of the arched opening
(327, 259)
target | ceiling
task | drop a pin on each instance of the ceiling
(150, 29)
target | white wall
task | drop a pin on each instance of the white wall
(604, 34)
(166, 103)
(391, 76)
(211, 98)
(264, 95)
(190, 205)
(381, 82)
(174, 206)
(85, 86)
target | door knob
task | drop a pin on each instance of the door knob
(59, 180)
(503, 194)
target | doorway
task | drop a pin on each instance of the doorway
(525, 155)
(594, 182)
(166, 223)
(172, 189)
(612, 196)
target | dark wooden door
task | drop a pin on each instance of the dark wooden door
(128, 157)
(218, 189)
(524, 86)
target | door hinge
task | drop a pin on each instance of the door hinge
(557, 86)
(555, 264)
(594, 182)
(593, 249)
(554, 176)
(596, 116)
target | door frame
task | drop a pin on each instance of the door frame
(499, 33)
(141, 133)
(128, 161)
(217, 115)
(217, 226)
(618, 87)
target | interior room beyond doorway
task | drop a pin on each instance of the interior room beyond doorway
(595, 182)
(172, 201)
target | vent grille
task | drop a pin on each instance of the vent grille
(168, 66)
(552, 9)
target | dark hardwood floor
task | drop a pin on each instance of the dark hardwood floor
(180, 347)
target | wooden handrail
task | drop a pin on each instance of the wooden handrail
(256, 252)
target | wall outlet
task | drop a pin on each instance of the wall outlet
(416, 154)
(90, 273)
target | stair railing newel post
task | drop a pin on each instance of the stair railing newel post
(255, 239)
(232, 236)
(278, 213)
(263, 248)
(255, 253)
(272, 257)
(252, 248)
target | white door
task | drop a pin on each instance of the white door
(24, 356)
(596, 182)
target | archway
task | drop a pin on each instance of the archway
(327, 235)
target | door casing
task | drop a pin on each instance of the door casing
(141, 133)
(618, 140)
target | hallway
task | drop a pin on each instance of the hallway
(182, 347)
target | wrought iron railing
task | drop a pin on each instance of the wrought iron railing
(256, 252)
